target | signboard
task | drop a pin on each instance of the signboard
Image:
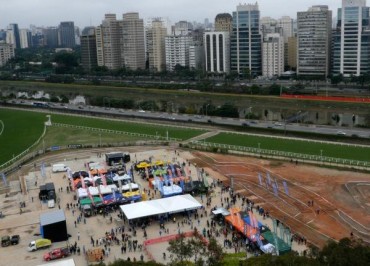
(74, 146)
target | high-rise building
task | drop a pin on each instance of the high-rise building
(88, 49)
(132, 41)
(351, 39)
(51, 37)
(182, 28)
(108, 43)
(25, 37)
(6, 53)
(67, 34)
(177, 51)
(155, 41)
(217, 52)
(196, 55)
(286, 23)
(273, 55)
(12, 36)
(269, 25)
(223, 22)
(246, 40)
(313, 41)
(292, 53)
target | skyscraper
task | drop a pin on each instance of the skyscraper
(108, 43)
(51, 37)
(155, 41)
(132, 41)
(6, 53)
(273, 55)
(25, 37)
(351, 39)
(177, 51)
(223, 22)
(246, 40)
(88, 49)
(12, 36)
(67, 34)
(313, 41)
(217, 52)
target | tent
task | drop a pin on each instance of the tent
(174, 204)
(116, 177)
(222, 211)
(66, 262)
(82, 193)
(107, 189)
(169, 191)
(247, 220)
(93, 191)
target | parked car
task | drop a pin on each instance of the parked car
(57, 254)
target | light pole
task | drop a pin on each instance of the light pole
(207, 109)
(249, 112)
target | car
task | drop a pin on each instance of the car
(341, 133)
(245, 124)
(278, 124)
(141, 111)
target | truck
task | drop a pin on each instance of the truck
(7, 240)
(60, 167)
(57, 254)
(38, 244)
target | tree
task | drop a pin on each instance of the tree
(180, 249)
(215, 253)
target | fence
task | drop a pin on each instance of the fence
(363, 165)
(132, 134)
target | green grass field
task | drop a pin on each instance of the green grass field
(21, 130)
(296, 146)
(142, 128)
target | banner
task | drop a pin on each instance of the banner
(285, 185)
(260, 178)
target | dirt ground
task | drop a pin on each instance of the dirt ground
(341, 199)
(337, 194)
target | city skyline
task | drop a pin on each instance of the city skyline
(91, 12)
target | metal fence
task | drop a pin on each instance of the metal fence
(131, 134)
(286, 155)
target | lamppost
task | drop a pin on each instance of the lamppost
(207, 109)
(249, 112)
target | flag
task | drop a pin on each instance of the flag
(260, 178)
(285, 185)
(4, 179)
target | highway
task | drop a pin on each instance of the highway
(179, 118)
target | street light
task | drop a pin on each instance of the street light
(207, 109)
(249, 112)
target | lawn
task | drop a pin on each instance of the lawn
(142, 128)
(296, 146)
(21, 130)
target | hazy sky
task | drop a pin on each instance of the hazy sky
(91, 12)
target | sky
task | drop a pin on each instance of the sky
(91, 12)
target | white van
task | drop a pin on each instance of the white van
(51, 203)
(59, 168)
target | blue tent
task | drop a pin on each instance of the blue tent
(247, 220)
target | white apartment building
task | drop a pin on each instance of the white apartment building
(25, 38)
(6, 53)
(217, 52)
(273, 55)
(155, 43)
(177, 51)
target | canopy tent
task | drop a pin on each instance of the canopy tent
(222, 211)
(121, 177)
(132, 186)
(247, 220)
(93, 191)
(107, 189)
(82, 193)
(95, 200)
(160, 206)
(168, 191)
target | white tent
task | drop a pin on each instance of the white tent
(93, 191)
(107, 189)
(174, 204)
(67, 262)
(121, 177)
(82, 193)
(133, 186)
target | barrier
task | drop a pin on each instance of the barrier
(326, 98)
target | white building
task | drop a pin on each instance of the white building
(273, 55)
(6, 53)
(177, 51)
(286, 23)
(217, 52)
(155, 43)
(25, 38)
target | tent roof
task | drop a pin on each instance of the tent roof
(93, 191)
(222, 211)
(52, 217)
(67, 262)
(160, 206)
